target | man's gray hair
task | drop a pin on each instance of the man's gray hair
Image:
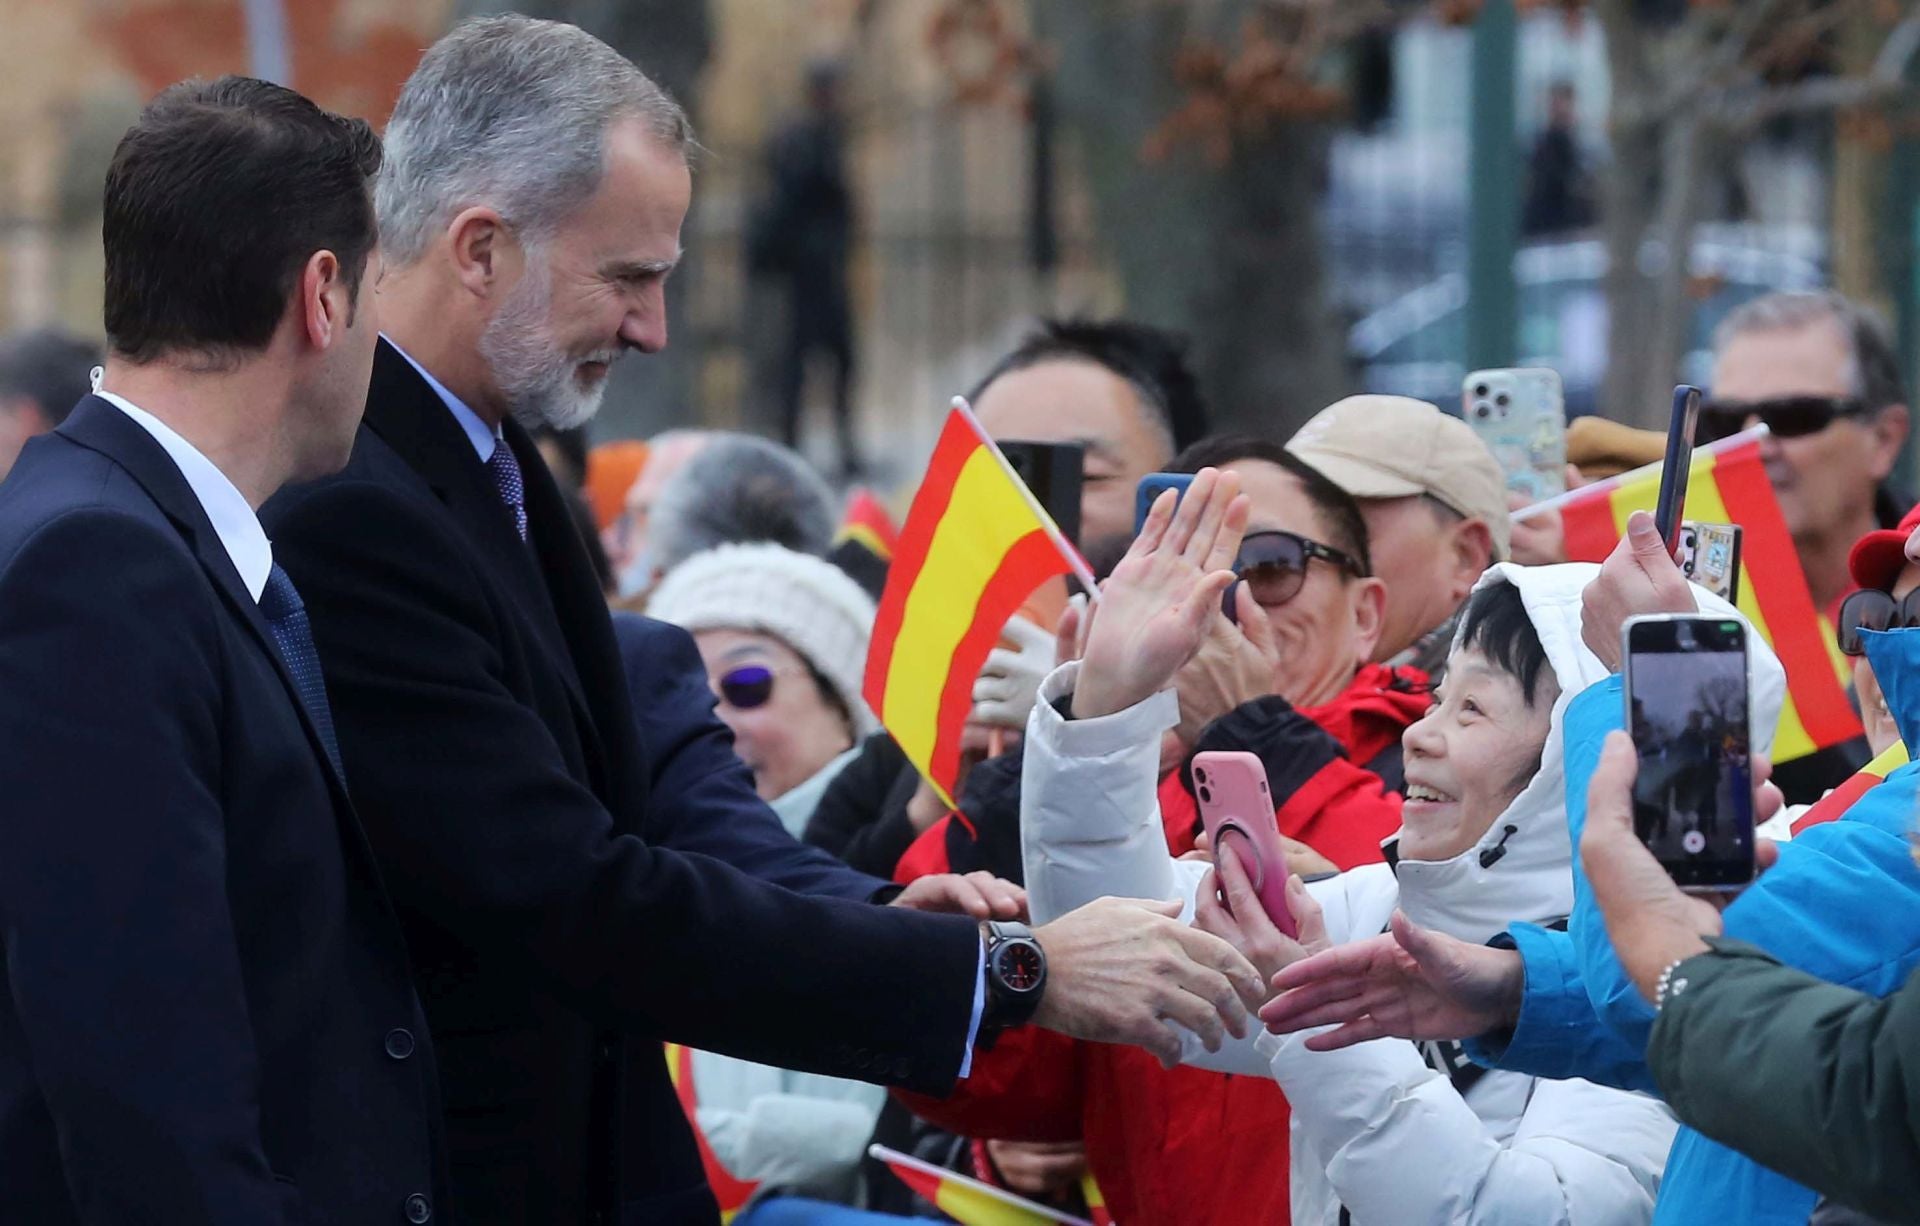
(740, 489)
(1876, 364)
(509, 112)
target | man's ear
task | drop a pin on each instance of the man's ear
(1471, 542)
(1888, 429)
(1369, 597)
(482, 250)
(325, 305)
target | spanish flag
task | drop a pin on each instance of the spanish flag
(968, 1201)
(732, 1194)
(1729, 485)
(867, 522)
(975, 546)
(1838, 801)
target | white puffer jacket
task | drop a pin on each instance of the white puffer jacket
(1379, 1128)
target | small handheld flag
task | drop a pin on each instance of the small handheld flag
(1729, 485)
(968, 1201)
(975, 546)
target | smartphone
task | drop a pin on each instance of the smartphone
(1685, 680)
(1677, 465)
(1149, 490)
(1054, 473)
(1710, 556)
(1236, 811)
(1520, 413)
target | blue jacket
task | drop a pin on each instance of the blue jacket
(1842, 903)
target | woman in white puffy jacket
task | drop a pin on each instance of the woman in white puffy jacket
(1390, 1132)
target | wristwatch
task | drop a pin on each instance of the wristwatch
(1016, 978)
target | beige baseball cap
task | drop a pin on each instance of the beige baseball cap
(1395, 447)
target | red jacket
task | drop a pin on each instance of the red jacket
(1191, 1146)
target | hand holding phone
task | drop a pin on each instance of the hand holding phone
(1685, 682)
(1236, 811)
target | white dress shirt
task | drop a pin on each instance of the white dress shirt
(233, 519)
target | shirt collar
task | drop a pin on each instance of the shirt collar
(233, 520)
(483, 437)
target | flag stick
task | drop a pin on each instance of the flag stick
(1081, 570)
(1601, 488)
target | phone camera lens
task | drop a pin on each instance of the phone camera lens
(1482, 412)
(1480, 390)
(1501, 400)
(1205, 794)
(1200, 773)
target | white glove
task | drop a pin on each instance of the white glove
(1009, 682)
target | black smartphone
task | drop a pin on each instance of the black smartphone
(1678, 465)
(1054, 473)
(1149, 490)
(1685, 680)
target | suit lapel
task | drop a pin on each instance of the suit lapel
(98, 425)
(405, 411)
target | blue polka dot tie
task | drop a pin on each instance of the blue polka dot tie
(286, 616)
(506, 477)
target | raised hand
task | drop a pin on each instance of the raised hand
(1409, 983)
(1154, 607)
(1009, 682)
(1235, 664)
(1120, 969)
(1639, 576)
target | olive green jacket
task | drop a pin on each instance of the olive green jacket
(1818, 1082)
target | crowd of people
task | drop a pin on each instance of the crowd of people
(417, 814)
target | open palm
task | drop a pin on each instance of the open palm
(1154, 608)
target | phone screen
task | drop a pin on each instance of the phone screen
(1686, 687)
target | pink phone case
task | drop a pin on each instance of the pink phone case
(1236, 809)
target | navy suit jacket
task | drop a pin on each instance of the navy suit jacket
(208, 1013)
(490, 736)
(685, 740)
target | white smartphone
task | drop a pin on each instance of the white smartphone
(1521, 415)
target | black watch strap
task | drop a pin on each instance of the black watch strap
(1016, 975)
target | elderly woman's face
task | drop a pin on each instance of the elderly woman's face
(1471, 755)
(784, 728)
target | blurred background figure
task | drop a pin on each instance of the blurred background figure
(784, 638)
(737, 490)
(43, 374)
(801, 239)
(626, 541)
(1559, 189)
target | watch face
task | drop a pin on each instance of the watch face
(1019, 966)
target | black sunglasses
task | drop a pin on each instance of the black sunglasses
(1872, 609)
(1786, 416)
(1274, 564)
(747, 687)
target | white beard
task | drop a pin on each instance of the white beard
(540, 382)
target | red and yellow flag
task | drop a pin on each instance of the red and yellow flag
(733, 1194)
(968, 1201)
(1729, 485)
(975, 546)
(867, 522)
(1838, 801)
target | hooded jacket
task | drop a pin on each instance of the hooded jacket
(1491, 1148)
(1842, 903)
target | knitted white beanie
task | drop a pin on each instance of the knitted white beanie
(808, 603)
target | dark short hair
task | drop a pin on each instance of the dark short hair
(1153, 360)
(1339, 513)
(48, 367)
(741, 489)
(1496, 624)
(217, 197)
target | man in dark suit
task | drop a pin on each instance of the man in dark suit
(530, 212)
(208, 1013)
